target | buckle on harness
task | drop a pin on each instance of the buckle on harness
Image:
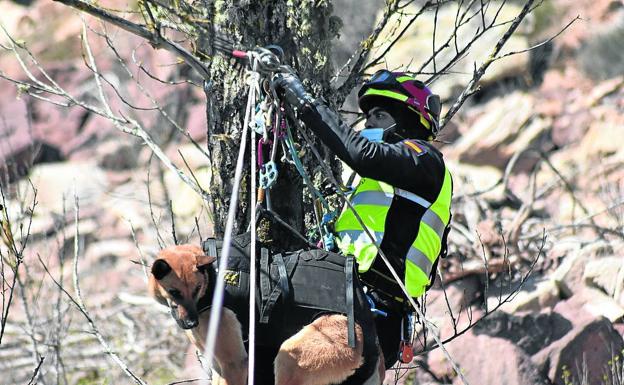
(373, 309)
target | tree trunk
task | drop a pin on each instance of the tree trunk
(304, 32)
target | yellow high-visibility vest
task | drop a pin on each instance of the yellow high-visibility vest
(371, 200)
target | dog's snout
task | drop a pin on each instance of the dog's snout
(189, 323)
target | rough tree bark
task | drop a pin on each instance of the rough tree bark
(304, 32)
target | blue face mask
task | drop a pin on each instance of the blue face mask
(375, 134)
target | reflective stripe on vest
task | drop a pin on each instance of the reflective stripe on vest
(372, 200)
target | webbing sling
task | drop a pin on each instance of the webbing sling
(211, 243)
(443, 254)
(349, 301)
(265, 280)
(283, 286)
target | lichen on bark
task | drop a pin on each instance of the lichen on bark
(305, 30)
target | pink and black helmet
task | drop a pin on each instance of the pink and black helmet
(406, 89)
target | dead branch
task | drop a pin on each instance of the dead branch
(79, 303)
(153, 36)
(472, 84)
(502, 265)
(33, 379)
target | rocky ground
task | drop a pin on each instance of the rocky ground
(537, 163)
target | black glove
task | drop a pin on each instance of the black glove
(290, 89)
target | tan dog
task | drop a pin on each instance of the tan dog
(318, 354)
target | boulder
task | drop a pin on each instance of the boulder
(598, 141)
(117, 155)
(491, 136)
(590, 303)
(188, 154)
(535, 294)
(185, 201)
(486, 360)
(455, 297)
(569, 274)
(531, 332)
(128, 204)
(20, 149)
(87, 234)
(585, 351)
(607, 274)
(469, 179)
(58, 183)
(443, 307)
(105, 254)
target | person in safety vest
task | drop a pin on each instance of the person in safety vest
(404, 194)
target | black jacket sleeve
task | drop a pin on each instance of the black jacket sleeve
(396, 164)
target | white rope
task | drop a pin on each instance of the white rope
(217, 299)
(252, 267)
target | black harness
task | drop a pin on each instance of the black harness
(293, 290)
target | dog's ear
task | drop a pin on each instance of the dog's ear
(203, 261)
(160, 269)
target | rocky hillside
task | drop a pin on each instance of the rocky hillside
(539, 195)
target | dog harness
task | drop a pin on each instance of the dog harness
(286, 301)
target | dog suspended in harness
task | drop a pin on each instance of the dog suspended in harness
(294, 289)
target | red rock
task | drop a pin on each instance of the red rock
(570, 128)
(531, 332)
(587, 304)
(486, 360)
(620, 328)
(589, 345)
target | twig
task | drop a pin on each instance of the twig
(141, 256)
(33, 379)
(145, 92)
(502, 301)
(365, 47)
(80, 303)
(471, 87)
(159, 238)
(154, 38)
(396, 38)
(173, 229)
(133, 127)
(578, 17)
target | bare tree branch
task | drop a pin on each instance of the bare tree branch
(154, 37)
(472, 84)
(33, 379)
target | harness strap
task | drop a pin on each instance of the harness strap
(443, 254)
(211, 245)
(349, 301)
(281, 287)
(283, 275)
(265, 279)
(210, 275)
